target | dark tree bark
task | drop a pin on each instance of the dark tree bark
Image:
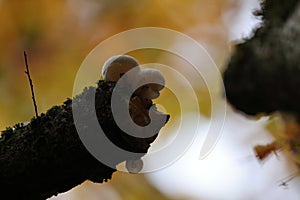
(47, 157)
(263, 74)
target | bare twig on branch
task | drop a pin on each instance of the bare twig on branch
(31, 84)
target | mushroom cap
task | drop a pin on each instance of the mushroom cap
(151, 81)
(151, 76)
(116, 66)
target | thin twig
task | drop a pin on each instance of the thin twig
(31, 85)
(284, 182)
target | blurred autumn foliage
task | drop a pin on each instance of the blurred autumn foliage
(59, 34)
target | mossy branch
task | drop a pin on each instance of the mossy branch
(47, 157)
(263, 74)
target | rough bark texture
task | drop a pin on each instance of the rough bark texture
(263, 74)
(47, 157)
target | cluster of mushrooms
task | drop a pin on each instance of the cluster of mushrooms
(149, 81)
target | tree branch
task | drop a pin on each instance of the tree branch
(46, 157)
(263, 73)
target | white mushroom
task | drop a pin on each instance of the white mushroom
(151, 82)
(116, 66)
(134, 166)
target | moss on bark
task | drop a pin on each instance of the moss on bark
(47, 157)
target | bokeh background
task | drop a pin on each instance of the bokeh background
(57, 35)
